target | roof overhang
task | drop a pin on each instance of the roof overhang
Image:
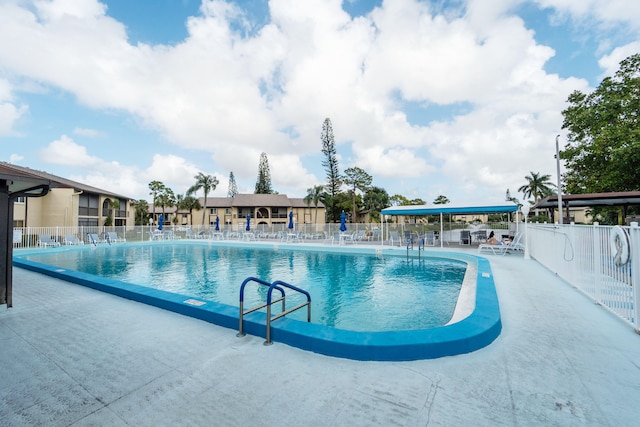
(623, 198)
(449, 209)
(25, 185)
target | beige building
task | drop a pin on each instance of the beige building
(70, 204)
(263, 209)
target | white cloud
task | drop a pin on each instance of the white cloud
(65, 151)
(90, 133)
(15, 158)
(228, 97)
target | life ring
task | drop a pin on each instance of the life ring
(619, 244)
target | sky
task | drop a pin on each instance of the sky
(459, 98)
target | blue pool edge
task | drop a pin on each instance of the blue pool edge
(472, 333)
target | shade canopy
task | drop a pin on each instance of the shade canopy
(619, 198)
(450, 209)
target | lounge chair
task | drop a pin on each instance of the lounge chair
(72, 239)
(156, 235)
(94, 239)
(503, 249)
(45, 240)
(113, 237)
(191, 235)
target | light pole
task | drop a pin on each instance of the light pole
(525, 212)
(559, 185)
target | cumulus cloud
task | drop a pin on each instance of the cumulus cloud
(229, 94)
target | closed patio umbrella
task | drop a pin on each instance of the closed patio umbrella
(343, 221)
(217, 224)
(291, 220)
(160, 221)
(248, 223)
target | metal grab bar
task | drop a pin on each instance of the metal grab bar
(242, 312)
(276, 285)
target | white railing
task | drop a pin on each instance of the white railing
(582, 256)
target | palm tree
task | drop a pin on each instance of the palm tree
(206, 183)
(538, 186)
(190, 203)
(313, 195)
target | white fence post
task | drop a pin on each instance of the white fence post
(634, 235)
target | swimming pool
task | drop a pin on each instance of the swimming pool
(345, 288)
(475, 330)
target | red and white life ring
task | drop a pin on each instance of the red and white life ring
(620, 245)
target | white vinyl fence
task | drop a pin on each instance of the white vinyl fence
(601, 261)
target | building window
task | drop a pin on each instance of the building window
(88, 222)
(227, 211)
(88, 205)
(278, 212)
(214, 211)
(20, 199)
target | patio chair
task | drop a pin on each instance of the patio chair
(394, 237)
(465, 237)
(430, 238)
(72, 239)
(45, 240)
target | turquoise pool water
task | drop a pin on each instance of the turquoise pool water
(358, 292)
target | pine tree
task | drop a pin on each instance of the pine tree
(233, 188)
(330, 164)
(263, 183)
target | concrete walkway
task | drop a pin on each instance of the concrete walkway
(74, 356)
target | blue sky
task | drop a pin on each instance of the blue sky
(459, 98)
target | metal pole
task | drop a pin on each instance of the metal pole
(559, 185)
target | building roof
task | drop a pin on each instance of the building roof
(300, 203)
(620, 198)
(251, 200)
(54, 180)
(449, 209)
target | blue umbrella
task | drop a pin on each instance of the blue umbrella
(343, 220)
(248, 223)
(291, 220)
(217, 224)
(160, 221)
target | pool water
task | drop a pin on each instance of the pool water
(355, 292)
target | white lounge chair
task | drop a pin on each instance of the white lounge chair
(503, 249)
(72, 239)
(45, 240)
(114, 238)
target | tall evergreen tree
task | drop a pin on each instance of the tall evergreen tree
(330, 164)
(263, 183)
(233, 188)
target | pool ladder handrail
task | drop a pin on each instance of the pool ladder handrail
(277, 285)
(410, 245)
(251, 310)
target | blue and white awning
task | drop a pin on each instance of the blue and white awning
(449, 209)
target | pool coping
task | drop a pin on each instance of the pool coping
(473, 332)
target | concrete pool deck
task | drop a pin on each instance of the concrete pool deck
(75, 356)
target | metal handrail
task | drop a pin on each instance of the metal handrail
(276, 285)
(242, 312)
